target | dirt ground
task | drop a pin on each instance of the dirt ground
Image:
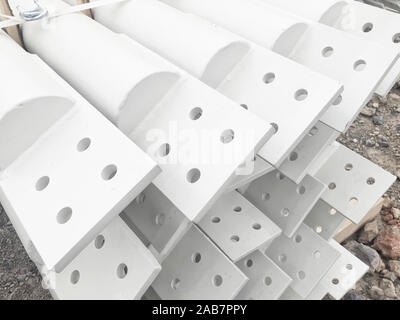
(375, 135)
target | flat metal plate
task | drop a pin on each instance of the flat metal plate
(266, 84)
(290, 295)
(194, 119)
(284, 202)
(324, 220)
(318, 293)
(305, 257)
(266, 280)
(237, 227)
(344, 274)
(197, 270)
(354, 183)
(74, 192)
(115, 266)
(260, 168)
(157, 219)
(296, 166)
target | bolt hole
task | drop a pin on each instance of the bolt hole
(268, 281)
(122, 270)
(333, 212)
(109, 172)
(237, 209)
(359, 65)
(275, 126)
(175, 283)
(293, 156)
(196, 258)
(99, 242)
(83, 145)
(249, 263)
(349, 267)
(216, 220)
(266, 196)
(301, 95)
(285, 212)
(257, 226)
(327, 52)
(193, 175)
(64, 215)
(196, 113)
(301, 275)
(367, 27)
(396, 38)
(371, 181)
(314, 131)
(164, 150)
(75, 276)
(217, 281)
(282, 258)
(348, 167)
(244, 106)
(269, 78)
(280, 176)
(338, 100)
(353, 201)
(298, 238)
(318, 229)
(42, 183)
(317, 254)
(332, 186)
(335, 281)
(235, 238)
(160, 219)
(227, 136)
(301, 190)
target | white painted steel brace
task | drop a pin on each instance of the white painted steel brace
(166, 112)
(359, 64)
(60, 159)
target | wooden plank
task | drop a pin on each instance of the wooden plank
(349, 228)
(13, 32)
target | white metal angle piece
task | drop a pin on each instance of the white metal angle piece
(318, 293)
(237, 227)
(305, 257)
(325, 220)
(262, 81)
(266, 280)
(284, 202)
(197, 270)
(261, 168)
(157, 219)
(175, 118)
(115, 266)
(362, 20)
(290, 295)
(297, 165)
(344, 274)
(79, 164)
(358, 64)
(354, 183)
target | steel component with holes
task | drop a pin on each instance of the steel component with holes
(169, 114)
(116, 265)
(237, 227)
(354, 183)
(197, 270)
(263, 82)
(305, 257)
(362, 20)
(158, 220)
(346, 271)
(284, 202)
(61, 164)
(266, 280)
(358, 64)
(324, 220)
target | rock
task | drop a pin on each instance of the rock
(378, 120)
(366, 254)
(388, 242)
(396, 213)
(370, 232)
(376, 293)
(388, 288)
(393, 222)
(368, 112)
(387, 203)
(394, 266)
(370, 143)
(352, 296)
(398, 128)
(384, 144)
(389, 275)
(388, 217)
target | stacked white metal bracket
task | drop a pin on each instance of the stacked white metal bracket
(221, 178)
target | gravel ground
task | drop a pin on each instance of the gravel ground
(375, 135)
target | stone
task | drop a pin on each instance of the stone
(376, 293)
(378, 120)
(384, 144)
(366, 254)
(368, 112)
(388, 288)
(389, 275)
(396, 213)
(394, 266)
(388, 217)
(370, 232)
(370, 143)
(352, 296)
(388, 242)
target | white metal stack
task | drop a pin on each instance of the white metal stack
(221, 178)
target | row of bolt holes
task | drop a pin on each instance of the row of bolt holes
(108, 173)
(335, 281)
(194, 174)
(249, 264)
(236, 238)
(348, 167)
(196, 258)
(368, 27)
(122, 269)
